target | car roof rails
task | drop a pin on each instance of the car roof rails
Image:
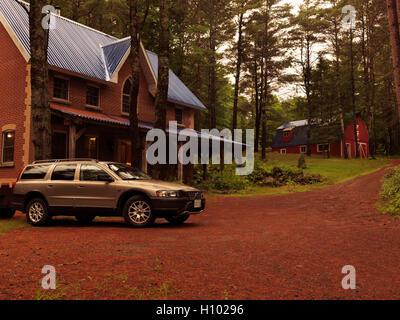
(64, 160)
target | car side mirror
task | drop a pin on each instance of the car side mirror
(104, 178)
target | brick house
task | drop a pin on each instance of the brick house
(89, 75)
(325, 138)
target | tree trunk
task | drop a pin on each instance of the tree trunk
(238, 69)
(258, 115)
(212, 86)
(353, 92)
(41, 115)
(395, 44)
(163, 75)
(134, 133)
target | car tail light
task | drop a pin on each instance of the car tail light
(19, 176)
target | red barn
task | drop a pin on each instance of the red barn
(292, 138)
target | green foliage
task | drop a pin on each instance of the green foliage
(390, 193)
(226, 180)
(301, 164)
(264, 175)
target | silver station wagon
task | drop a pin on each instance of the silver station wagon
(89, 188)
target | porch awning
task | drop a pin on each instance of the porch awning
(105, 119)
(98, 116)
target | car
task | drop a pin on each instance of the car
(87, 188)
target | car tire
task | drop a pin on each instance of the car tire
(85, 219)
(37, 213)
(177, 220)
(7, 213)
(138, 213)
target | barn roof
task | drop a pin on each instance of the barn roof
(86, 51)
(319, 134)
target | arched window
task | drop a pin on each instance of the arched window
(126, 96)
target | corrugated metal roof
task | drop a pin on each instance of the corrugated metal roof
(83, 50)
(294, 124)
(177, 90)
(98, 116)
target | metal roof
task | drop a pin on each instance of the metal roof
(293, 124)
(86, 51)
(177, 91)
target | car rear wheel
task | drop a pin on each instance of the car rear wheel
(7, 213)
(85, 219)
(177, 220)
(138, 213)
(37, 212)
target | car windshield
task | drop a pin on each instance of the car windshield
(128, 173)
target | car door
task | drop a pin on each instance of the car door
(61, 187)
(92, 193)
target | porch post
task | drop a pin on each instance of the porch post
(144, 157)
(72, 141)
(180, 166)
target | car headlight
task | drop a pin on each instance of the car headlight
(167, 194)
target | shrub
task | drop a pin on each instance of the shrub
(302, 162)
(390, 193)
(226, 181)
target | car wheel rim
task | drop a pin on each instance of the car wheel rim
(139, 212)
(36, 212)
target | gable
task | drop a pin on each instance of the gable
(85, 51)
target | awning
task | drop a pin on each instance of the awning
(98, 116)
(120, 121)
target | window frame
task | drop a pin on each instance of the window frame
(123, 95)
(301, 147)
(4, 133)
(181, 111)
(286, 134)
(283, 151)
(98, 97)
(323, 144)
(68, 88)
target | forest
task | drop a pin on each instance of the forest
(260, 63)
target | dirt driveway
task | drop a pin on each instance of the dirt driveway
(282, 247)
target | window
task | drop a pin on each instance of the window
(90, 172)
(92, 96)
(35, 173)
(126, 96)
(283, 151)
(92, 148)
(179, 115)
(323, 147)
(8, 146)
(61, 88)
(127, 173)
(303, 149)
(286, 134)
(64, 172)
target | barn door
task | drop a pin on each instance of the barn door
(348, 146)
(362, 147)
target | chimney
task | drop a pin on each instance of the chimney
(58, 10)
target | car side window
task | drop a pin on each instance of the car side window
(35, 172)
(91, 172)
(64, 172)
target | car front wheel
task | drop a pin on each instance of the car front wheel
(37, 212)
(138, 213)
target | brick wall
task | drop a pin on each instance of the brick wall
(111, 97)
(13, 75)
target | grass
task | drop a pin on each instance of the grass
(8, 225)
(334, 171)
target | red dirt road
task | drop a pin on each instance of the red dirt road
(281, 247)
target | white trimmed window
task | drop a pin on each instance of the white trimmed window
(323, 147)
(8, 146)
(126, 96)
(283, 151)
(303, 149)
